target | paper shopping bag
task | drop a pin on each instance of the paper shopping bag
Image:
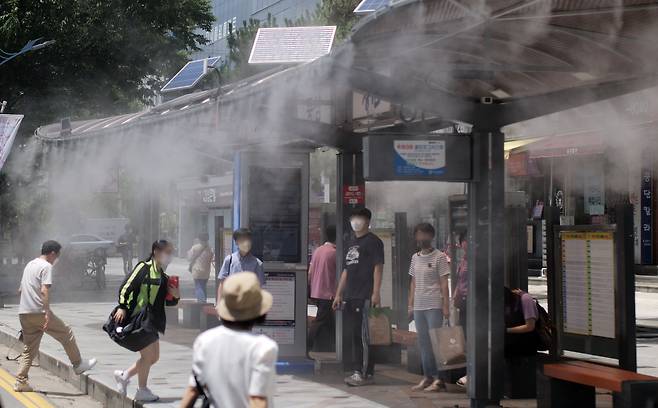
(379, 326)
(448, 346)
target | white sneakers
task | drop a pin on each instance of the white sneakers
(357, 380)
(142, 394)
(85, 365)
(122, 382)
(22, 387)
(145, 395)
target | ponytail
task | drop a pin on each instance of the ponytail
(158, 245)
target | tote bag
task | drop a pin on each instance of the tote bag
(449, 347)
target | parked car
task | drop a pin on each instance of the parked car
(82, 244)
(83, 259)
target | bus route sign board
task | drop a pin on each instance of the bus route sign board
(435, 157)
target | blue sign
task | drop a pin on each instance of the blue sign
(420, 157)
(646, 218)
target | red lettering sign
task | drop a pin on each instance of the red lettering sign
(354, 194)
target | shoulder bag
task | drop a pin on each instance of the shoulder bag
(139, 331)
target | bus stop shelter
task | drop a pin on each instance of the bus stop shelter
(491, 64)
(485, 63)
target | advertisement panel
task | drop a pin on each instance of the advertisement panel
(8, 128)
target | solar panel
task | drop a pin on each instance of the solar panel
(189, 75)
(368, 6)
(283, 45)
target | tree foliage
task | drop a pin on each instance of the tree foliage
(110, 56)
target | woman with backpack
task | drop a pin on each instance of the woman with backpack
(521, 338)
(143, 294)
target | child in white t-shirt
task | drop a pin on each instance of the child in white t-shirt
(231, 365)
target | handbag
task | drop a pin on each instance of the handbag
(379, 326)
(139, 332)
(195, 258)
(448, 346)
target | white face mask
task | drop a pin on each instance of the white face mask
(165, 260)
(244, 246)
(357, 224)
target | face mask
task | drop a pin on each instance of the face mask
(244, 246)
(165, 260)
(425, 244)
(357, 225)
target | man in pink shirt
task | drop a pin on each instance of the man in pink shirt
(322, 282)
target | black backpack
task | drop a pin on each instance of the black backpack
(545, 329)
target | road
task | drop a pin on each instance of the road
(51, 392)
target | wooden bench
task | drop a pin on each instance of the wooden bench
(573, 384)
(404, 337)
(408, 339)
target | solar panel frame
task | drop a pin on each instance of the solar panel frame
(174, 84)
(370, 6)
(285, 37)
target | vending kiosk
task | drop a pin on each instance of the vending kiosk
(271, 198)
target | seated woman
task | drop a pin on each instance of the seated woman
(520, 321)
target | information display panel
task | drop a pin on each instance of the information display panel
(275, 213)
(432, 157)
(280, 321)
(588, 283)
(593, 290)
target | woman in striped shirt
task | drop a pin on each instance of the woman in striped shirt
(429, 302)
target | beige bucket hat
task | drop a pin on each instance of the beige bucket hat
(243, 299)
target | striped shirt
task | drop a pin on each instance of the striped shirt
(426, 269)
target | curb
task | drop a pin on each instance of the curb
(107, 396)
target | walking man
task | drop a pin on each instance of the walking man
(360, 285)
(241, 260)
(232, 366)
(125, 245)
(322, 281)
(36, 317)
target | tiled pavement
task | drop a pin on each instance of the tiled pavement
(169, 377)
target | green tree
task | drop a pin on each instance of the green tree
(110, 56)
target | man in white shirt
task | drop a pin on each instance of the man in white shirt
(231, 365)
(36, 317)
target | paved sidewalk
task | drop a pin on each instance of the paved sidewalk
(170, 375)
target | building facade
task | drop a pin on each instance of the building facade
(235, 13)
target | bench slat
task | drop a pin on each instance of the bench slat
(404, 337)
(593, 375)
(628, 375)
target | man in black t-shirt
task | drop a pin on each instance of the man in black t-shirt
(360, 286)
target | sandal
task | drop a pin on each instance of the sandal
(462, 381)
(436, 386)
(426, 382)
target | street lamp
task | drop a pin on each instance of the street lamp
(29, 46)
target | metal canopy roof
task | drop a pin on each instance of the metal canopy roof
(448, 52)
(531, 57)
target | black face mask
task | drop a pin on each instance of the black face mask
(424, 244)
